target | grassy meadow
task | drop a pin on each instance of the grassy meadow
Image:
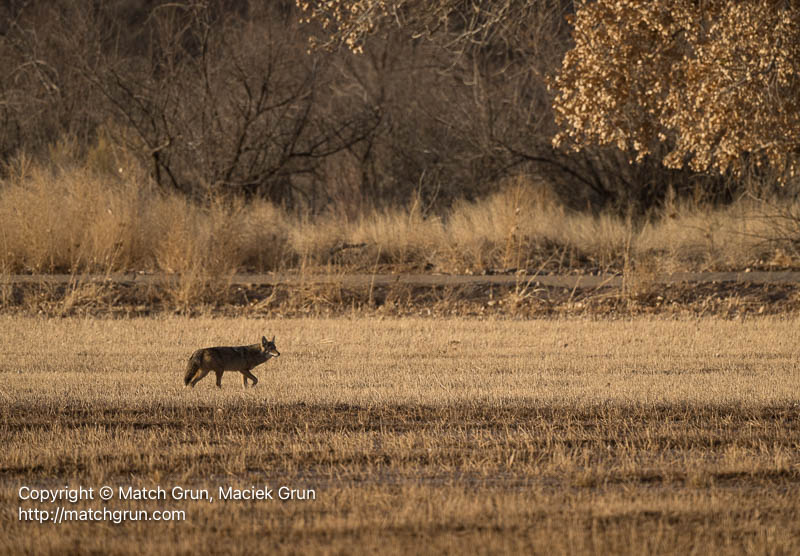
(417, 435)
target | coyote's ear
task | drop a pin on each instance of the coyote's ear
(263, 341)
(273, 338)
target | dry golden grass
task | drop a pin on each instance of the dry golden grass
(563, 436)
(98, 217)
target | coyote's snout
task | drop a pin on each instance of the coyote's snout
(235, 358)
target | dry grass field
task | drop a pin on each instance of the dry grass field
(647, 435)
(69, 217)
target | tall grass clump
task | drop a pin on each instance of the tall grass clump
(204, 244)
(99, 212)
(693, 236)
(524, 225)
(68, 218)
(400, 237)
(74, 215)
(199, 247)
(405, 237)
(521, 226)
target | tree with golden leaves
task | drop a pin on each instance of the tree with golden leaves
(717, 81)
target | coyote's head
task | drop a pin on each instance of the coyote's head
(268, 347)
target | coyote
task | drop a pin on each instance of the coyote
(221, 359)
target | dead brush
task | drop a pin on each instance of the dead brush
(201, 251)
(314, 299)
(777, 231)
(306, 296)
(639, 273)
(84, 295)
(67, 215)
(524, 293)
(7, 296)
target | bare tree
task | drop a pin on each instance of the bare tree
(220, 103)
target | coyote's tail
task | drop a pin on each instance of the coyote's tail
(191, 369)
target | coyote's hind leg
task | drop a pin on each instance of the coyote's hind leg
(200, 374)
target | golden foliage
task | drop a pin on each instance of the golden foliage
(463, 24)
(714, 80)
(347, 21)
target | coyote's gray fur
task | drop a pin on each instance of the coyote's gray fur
(235, 358)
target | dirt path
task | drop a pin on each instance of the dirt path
(577, 281)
